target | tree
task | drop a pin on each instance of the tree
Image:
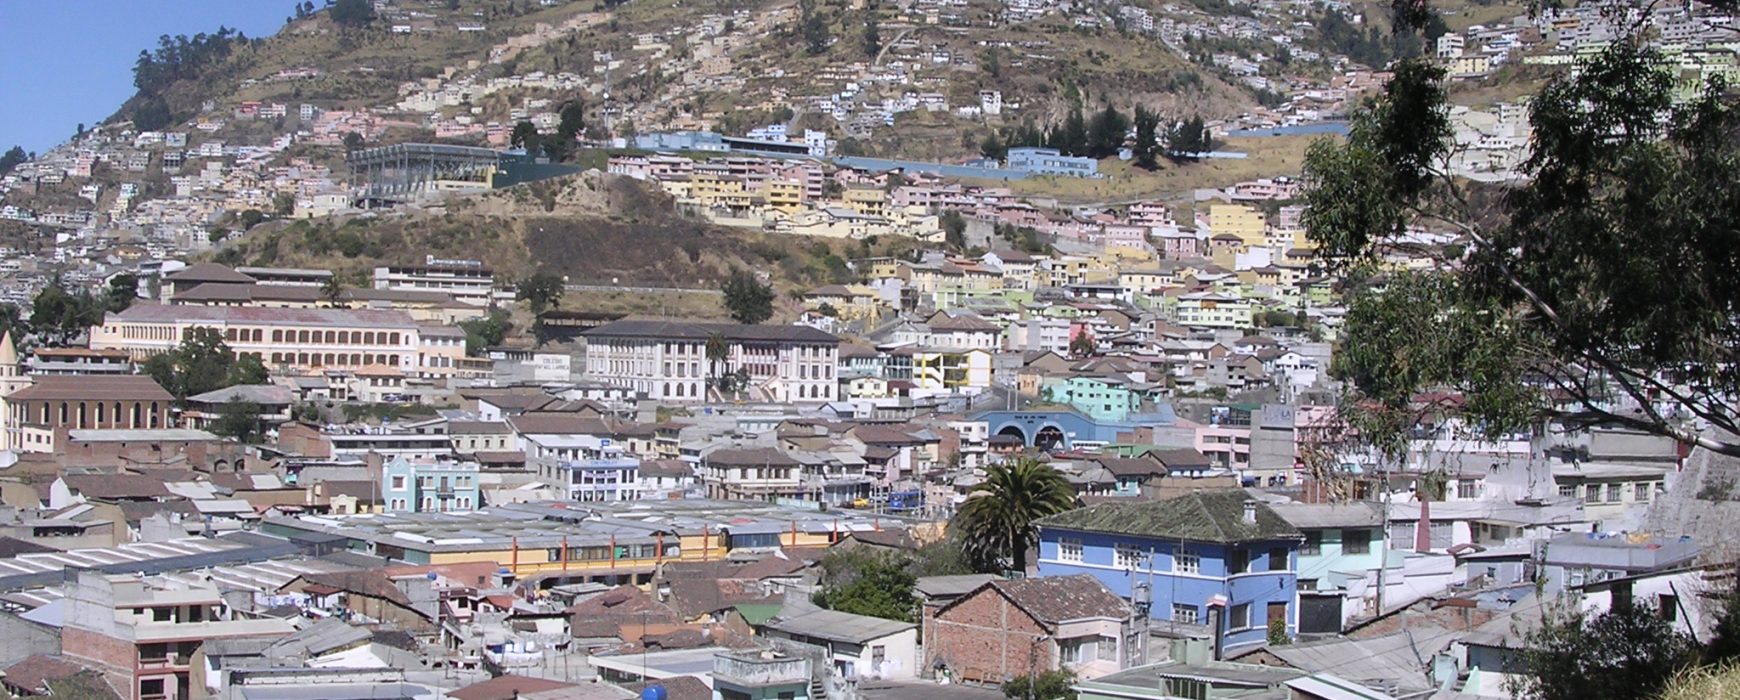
(203, 362)
(525, 135)
(250, 218)
(541, 291)
(486, 332)
(1082, 345)
(828, 310)
(813, 26)
(123, 290)
(1147, 147)
(1576, 299)
(239, 420)
(13, 157)
(1106, 133)
(151, 113)
(993, 147)
(352, 13)
(746, 298)
(283, 204)
(1628, 652)
(1187, 140)
(996, 521)
(872, 33)
(353, 142)
(573, 121)
(332, 291)
(954, 228)
(1051, 685)
(60, 315)
(865, 582)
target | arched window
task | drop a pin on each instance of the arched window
(138, 409)
(368, 359)
(153, 418)
(64, 415)
(331, 337)
(277, 336)
(369, 338)
(102, 414)
(393, 339)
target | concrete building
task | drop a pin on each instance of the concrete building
(667, 360)
(1050, 161)
(39, 416)
(468, 283)
(1218, 558)
(146, 635)
(1003, 629)
(857, 646)
(434, 486)
(280, 338)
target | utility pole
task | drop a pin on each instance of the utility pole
(1383, 543)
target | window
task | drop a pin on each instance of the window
(1107, 648)
(1240, 617)
(398, 481)
(1127, 557)
(1277, 559)
(1641, 491)
(1356, 541)
(151, 687)
(1567, 491)
(1077, 650)
(1184, 613)
(1188, 688)
(1465, 488)
(1613, 492)
(1403, 534)
(1592, 493)
(1440, 535)
(1238, 561)
(1313, 544)
(1183, 563)
(1069, 549)
(1669, 606)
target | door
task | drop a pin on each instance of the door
(1277, 611)
(1319, 614)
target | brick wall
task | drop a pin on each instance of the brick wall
(984, 638)
(115, 658)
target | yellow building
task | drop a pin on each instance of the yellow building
(1239, 220)
(783, 195)
(866, 201)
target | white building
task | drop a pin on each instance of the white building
(667, 360)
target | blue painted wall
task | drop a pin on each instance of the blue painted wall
(1257, 588)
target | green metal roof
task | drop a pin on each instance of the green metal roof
(1204, 516)
(757, 614)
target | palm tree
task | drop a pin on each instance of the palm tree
(996, 522)
(332, 291)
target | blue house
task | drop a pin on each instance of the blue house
(422, 486)
(1215, 561)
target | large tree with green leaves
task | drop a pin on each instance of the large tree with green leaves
(203, 362)
(747, 299)
(995, 524)
(1629, 652)
(1601, 288)
(60, 314)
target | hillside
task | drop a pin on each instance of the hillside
(592, 228)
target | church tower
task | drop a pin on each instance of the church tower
(12, 378)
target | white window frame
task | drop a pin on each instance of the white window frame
(1069, 549)
(1186, 563)
(1187, 614)
(1127, 556)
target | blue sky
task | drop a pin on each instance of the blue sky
(63, 62)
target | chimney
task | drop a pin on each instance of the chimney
(1250, 511)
